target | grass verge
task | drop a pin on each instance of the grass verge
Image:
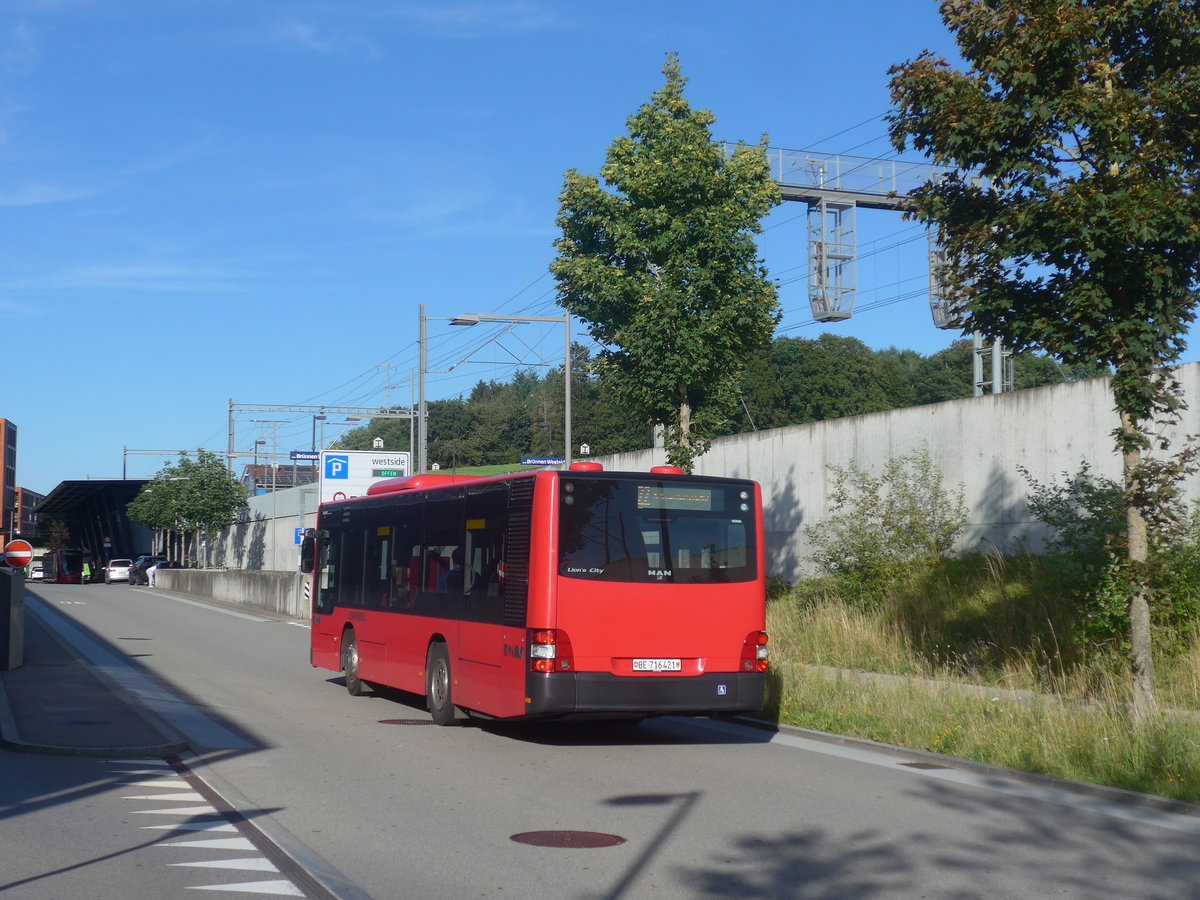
(987, 673)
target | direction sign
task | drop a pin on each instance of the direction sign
(18, 553)
(543, 460)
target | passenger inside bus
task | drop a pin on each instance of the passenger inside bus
(452, 578)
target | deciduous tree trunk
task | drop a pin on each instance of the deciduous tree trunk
(1145, 707)
(685, 425)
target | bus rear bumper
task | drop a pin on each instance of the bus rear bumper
(575, 693)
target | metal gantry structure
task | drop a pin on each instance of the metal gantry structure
(834, 187)
(317, 412)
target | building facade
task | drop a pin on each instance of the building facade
(10, 525)
(29, 517)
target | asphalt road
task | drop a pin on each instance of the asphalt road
(378, 803)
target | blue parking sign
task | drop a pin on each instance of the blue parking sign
(337, 466)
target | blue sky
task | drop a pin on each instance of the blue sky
(214, 200)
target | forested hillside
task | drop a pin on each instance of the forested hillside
(799, 380)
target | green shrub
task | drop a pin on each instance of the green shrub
(883, 524)
(1086, 561)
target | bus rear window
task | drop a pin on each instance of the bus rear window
(656, 531)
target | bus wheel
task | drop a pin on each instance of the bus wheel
(354, 684)
(437, 685)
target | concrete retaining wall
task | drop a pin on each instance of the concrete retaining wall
(273, 592)
(978, 443)
(267, 539)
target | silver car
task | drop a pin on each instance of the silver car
(117, 570)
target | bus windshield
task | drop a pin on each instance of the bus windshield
(684, 532)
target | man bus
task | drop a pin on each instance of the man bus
(573, 593)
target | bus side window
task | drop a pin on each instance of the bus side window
(377, 574)
(486, 524)
(405, 554)
(441, 592)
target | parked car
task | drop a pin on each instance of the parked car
(35, 569)
(137, 572)
(117, 570)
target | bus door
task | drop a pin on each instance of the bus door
(326, 626)
(493, 662)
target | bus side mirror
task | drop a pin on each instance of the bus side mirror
(307, 547)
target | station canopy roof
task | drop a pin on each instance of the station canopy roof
(74, 498)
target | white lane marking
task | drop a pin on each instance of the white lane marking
(248, 864)
(196, 838)
(160, 763)
(158, 782)
(238, 843)
(179, 811)
(222, 826)
(216, 609)
(187, 797)
(1112, 809)
(277, 888)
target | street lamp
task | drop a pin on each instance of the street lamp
(468, 319)
(321, 419)
(274, 423)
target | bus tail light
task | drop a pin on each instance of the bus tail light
(755, 653)
(549, 650)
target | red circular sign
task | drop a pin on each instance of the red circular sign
(18, 554)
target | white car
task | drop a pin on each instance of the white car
(117, 570)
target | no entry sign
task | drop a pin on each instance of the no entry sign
(18, 554)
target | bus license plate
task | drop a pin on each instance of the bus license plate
(657, 665)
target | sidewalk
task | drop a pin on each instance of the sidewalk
(57, 703)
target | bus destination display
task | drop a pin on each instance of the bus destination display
(654, 496)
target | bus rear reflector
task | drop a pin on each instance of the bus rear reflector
(549, 651)
(755, 653)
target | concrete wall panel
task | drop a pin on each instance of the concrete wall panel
(978, 443)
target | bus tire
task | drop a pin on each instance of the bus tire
(354, 684)
(437, 685)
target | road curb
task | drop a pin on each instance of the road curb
(1081, 788)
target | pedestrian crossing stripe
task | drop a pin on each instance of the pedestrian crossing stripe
(248, 864)
(282, 888)
(199, 832)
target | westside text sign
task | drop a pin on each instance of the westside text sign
(348, 473)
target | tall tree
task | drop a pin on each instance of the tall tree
(663, 266)
(191, 496)
(1082, 238)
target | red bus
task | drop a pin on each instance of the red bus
(62, 567)
(547, 594)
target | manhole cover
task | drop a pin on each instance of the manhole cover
(569, 839)
(405, 721)
(924, 766)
